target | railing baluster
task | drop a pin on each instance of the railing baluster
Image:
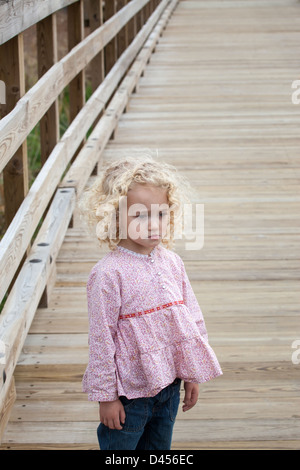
(15, 174)
(97, 64)
(75, 36)
(122, 38)
(110, 51)
(47, 56)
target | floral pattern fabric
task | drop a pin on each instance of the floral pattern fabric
(146, 327)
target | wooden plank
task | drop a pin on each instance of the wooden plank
(83, 432)
(207, 445)
(36, 409)
(15, 173)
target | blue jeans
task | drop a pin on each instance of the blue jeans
(148, 425)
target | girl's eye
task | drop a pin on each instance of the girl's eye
(143, 216)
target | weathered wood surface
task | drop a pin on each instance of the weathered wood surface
(216, 102)
(19, 15)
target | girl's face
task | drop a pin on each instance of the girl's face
(146, 218)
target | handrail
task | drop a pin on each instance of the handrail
(53, 193)
(17, 16)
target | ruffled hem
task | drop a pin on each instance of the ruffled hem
(192, 360)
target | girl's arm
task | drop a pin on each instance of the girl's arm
(103, 308)
(191, 302)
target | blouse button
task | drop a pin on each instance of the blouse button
(163, 286)
(152, 261)
(159, 274)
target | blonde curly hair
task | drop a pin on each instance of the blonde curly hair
(99, 205)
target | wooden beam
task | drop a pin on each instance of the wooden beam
(15, 174)
(76, 36)
(97, 64)
(122, 37)
(110, 51)
(47, 57)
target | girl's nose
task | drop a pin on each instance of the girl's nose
(153, 223)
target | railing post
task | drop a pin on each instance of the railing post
(97, 64)
(122, 39)
(77, 85)
(96, 68)
(76, 35)
(147, 11)
(110, 51)
(15, 174)
(132, 29)
(47, 56)
(140, 19)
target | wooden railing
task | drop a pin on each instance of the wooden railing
(123, 35)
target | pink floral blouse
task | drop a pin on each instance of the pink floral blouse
(145, 326)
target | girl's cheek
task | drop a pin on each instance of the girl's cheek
(136, 228)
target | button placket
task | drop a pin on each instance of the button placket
(161, 282)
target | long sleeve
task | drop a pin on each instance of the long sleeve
(191, 302)
(103, 296)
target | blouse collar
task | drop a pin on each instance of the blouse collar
(134, 253)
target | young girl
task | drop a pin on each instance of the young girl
(146, 329)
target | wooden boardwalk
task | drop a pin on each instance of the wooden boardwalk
(216, 102)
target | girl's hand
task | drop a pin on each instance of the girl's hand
(112, 414)
(191, 395)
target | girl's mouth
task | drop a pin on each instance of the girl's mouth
(154, 237)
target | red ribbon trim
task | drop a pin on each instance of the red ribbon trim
(151, 310)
